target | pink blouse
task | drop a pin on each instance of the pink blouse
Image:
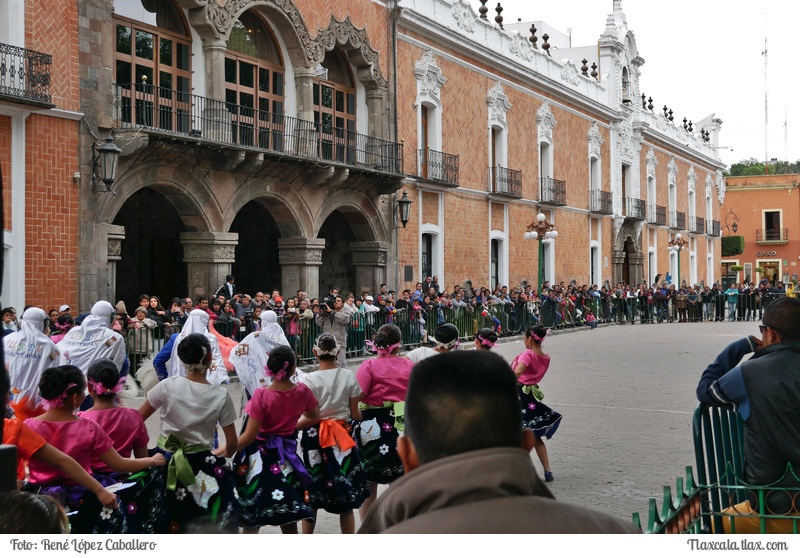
(535, 367)
(384, 379)
(278, 411)
(82, 439)
(126, 429)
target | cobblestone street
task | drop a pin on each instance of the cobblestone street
(627, 394)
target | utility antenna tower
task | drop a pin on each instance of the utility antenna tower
(766, 97)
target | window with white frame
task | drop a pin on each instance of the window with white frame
(546, 123)
(430, 81)
(499, 106)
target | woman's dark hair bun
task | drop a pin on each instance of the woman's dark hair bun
(280, 356)
(55, 381)
(104, 371)
(190, 349)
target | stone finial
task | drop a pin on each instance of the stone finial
(691, 126)
(684, 123)
(650, 104)
(594, 73)
(644, 101)
(533, 38)
(483, 9)
(670, 117)
(584, 67)
(666, 111)
(499, 18)
(545, 44)
(617, 6)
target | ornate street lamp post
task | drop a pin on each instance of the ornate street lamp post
(541, 230)
(677, 244)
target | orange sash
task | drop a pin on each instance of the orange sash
(333, 433)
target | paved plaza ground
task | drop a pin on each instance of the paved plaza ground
(627, 394)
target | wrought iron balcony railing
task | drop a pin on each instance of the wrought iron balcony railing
(772, 235)
(552, 191)
(657, 215)
(677, 220)
(635, 208)
(715, 229)
(507, 182)
(601, 202)
(438, 166)
(25, 75)
(176, 113)
(697, 225)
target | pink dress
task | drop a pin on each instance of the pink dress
(82, 439)
(535, 367)
(384, 379)
(126, 429)
(278, 411)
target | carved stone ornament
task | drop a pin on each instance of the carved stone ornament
(521, 47)
(545, 122)
(692, 176)
(595, 139)
(709, 186)
(464, 16)
(216, 18)
(300, 256)
(429, 76)
(371, 258)
(569, 72)
(631, 229)
(672, 171)
(652, 162)
(498, 103)
(114, 249)
(625, 141)
(721, 187)
(219, 253)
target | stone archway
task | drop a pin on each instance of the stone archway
(627, 257)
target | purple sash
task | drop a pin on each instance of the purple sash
(287, 450)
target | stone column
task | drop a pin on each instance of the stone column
(216, 124)
(617, 261)
(369, 260)
(300, 259)
(636, 269)
(99, 274)
(208, 257)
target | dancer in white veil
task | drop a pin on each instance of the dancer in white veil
(250, 356)
(28, 353)
(94, 339)
(167, 363)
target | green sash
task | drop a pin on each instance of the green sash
(399, 408)
(179, 467)
(534, 391)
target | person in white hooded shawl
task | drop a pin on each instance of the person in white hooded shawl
(28, 353)
(167, 359)
(94, 339)
(250, 356)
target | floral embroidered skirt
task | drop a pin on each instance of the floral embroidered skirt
(537, 416)
(209, 505)
(142, 503)
(376, 437)
(85, 512)
(270, 492)
(340, 483)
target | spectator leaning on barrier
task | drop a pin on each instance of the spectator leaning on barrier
(764, 391)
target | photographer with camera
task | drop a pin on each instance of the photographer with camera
(332, 319)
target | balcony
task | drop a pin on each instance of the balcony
(634, 209)
(677, 220)
(506, 182)
(657, 215)
(438, 167)
(552, 191)
(601, 202)
(772, 236)
(25, 76)
(715, 229)
(175, 114)
(697, 225)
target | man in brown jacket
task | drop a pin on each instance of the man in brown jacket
(467, 461)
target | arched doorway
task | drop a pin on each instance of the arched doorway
(257, 267)
(152, 255)
(337, 269)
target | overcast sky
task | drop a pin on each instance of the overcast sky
(702, 57)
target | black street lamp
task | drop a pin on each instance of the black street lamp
(105, 158)
(731, 222)
(402, 208)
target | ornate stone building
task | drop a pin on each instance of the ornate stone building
(257, 138)
(503, 121)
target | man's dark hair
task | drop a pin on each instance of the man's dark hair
(462, 401)
(201, 298)
(229, 279)
(783, 315)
